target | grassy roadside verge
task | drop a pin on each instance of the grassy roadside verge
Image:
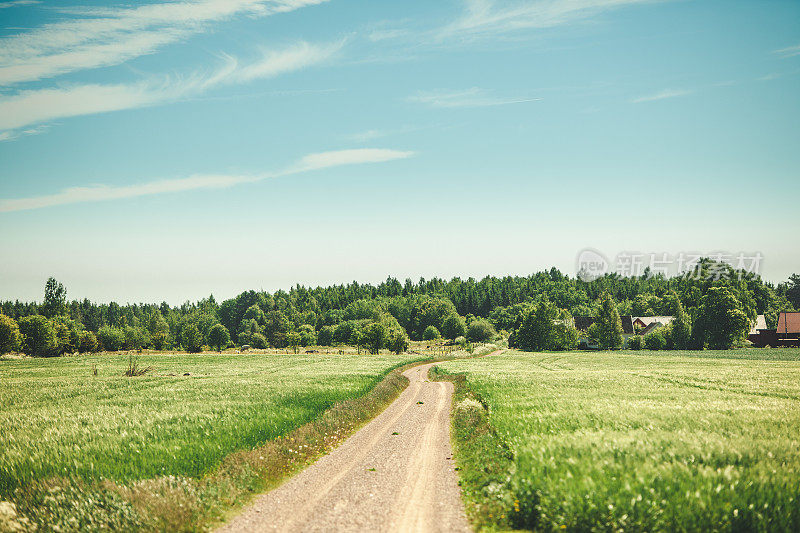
(185, 503)
(483, 459)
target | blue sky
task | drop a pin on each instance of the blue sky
(165, 150)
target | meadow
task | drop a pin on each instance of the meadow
(635, 441)
(178, 421)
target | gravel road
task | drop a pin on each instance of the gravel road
(395, 474)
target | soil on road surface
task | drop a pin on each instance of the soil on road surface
(395, 474)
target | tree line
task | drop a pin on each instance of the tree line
(535, 311)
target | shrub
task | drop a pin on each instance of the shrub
(480, 330)
(218, 337)
(135, 338)
(87, 342)
(635, 342)
(111, 338)
(655, 340)
(431, 333)
(10, 337)
(453, 326)
(38, 336)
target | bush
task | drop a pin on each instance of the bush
(431, 333)
(325, 336)
(655, 340)
(111, 338)
(218, 337)
(480, 330)
(453, 326)
(38, 336)
(10, 337)
(635, 343)
(87, 342)
(135, 338)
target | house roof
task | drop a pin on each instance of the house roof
(647, 320)
(788, 322)
(761, 323)
(582, 323)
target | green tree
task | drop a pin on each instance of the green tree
(480, 330)
(38, 336)
(397, 340)
(159, 330)
(10, 337)
(375, 336)
(681, 334)
(55, 298)
(325, 336)
(192, 339)
(135, 338)
(308, 337)
(609, 325)
(218, 337)
(721, 321)
(431, 333)
(111, 338)
(546, 328)
(87, 342)
(454, 326)
(793, 290)
(293, 340)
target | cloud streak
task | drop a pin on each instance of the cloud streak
(102, 193)
(662, 95)
(32, 107)
(102, 37)
(474, 97)
(790, 51)
(488, 17)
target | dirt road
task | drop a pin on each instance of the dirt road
(395, 474)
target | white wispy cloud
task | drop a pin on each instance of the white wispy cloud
(489, 17)
(662, 95)
(17, 3)
(32, 107)
(97, 37)
(474, 97)
(789, 51)
(101, 193)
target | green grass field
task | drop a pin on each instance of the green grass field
(58, 419)
(643, 441)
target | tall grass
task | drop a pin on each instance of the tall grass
(635, 442)
(61, 421)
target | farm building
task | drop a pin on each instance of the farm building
(787, 333)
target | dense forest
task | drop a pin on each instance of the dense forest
(379, 316)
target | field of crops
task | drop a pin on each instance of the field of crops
(635, 441)
(181, 418)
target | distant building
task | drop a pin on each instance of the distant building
(787, 333)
